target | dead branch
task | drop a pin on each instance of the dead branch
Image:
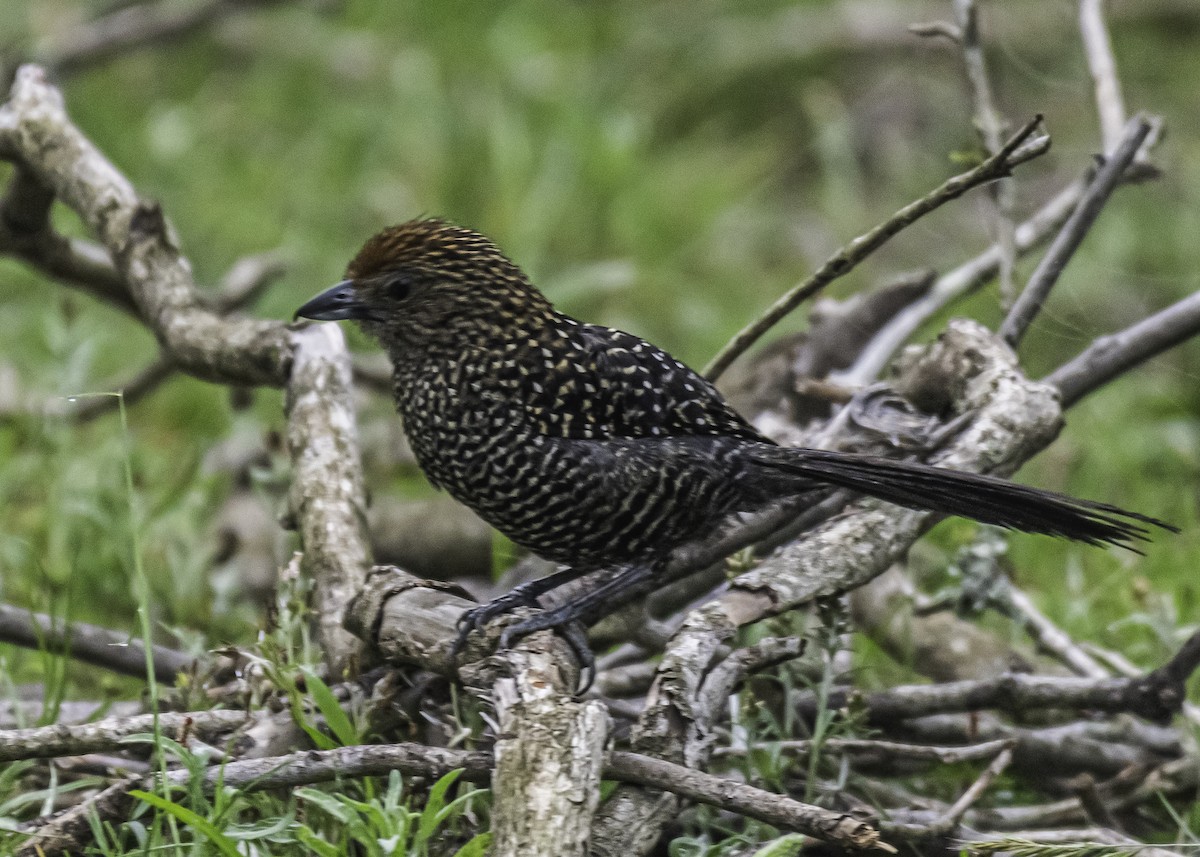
(44, 742)
(548, 760)
(91, 644)
(132, 27)
(1097, 47)
(1013, 418)
(1111, 356)
(1016, 151)
(1081, 839)
(549, 751)
(17, 713)
(968, 368)
(949, 821)
(36, 132)
(327, 498)
(990, 126)
(1156, 696)
(884, 611)
(71, 829)
(306, 768)
(25, 233)
(1098, 190)
(867, 749)
(1103, 748)
(412, 622)
(1047, 635)
(963, 280)
(244, 283)
(548, 755)
(823, 824)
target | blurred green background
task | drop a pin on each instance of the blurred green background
(663, 166)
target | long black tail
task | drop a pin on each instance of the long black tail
(971, 495)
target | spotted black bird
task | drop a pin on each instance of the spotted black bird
(592, 447)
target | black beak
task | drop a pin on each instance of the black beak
(333, 304)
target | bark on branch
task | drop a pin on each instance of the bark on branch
(37, 134)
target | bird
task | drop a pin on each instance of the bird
(594, 448)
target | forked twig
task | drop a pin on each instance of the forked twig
(1015, 151)
(1073, 231)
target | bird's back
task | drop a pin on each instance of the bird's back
(585, 444)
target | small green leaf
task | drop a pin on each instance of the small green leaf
(477, 847)
(331, 710)
(320, 740)
(198, 823)
(316, 844)
(433, 807)
(329, 803)
(784, 846)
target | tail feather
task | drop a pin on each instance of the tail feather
(953, 492)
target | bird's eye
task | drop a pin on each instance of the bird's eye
(399, 286)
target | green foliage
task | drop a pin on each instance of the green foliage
(198, 823)
(784, 846)
(375, 818)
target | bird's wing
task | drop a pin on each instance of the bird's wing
(610, 384)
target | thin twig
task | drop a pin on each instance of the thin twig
(949, 821)
(1081, 841)
(69, 831)
(19, 713)
(991, 130)
(373, 374)
(940, 29)
(968, 798)
(963, 280)
(1048, 636)
(1099, 746)
(880, 749)
(775, 809)
(91, 644)
(1015, 151)
(242, 285)
(248, 279)
(133, 27)
(26, 233)
(1097, 47)
(1072, 233)
(1113, 355)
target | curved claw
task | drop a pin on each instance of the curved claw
(565, 620)
(476, 617)
(460, 640)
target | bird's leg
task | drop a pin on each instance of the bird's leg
(568, 618)
(524, 595)
(583, 607)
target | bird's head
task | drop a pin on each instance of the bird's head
(427, 284)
